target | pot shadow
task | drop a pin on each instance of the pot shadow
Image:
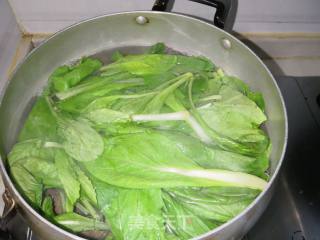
(268, 60)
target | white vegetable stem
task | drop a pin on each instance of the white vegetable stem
(222, 177)
(198, 130)
(210, 98)
(52, 145)
(176, 116)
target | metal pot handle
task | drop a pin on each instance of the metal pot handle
(9, 204)
(224, 17)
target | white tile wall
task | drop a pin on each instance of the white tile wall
(9, 39)
(45, 16)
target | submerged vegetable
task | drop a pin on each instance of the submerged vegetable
(65, 77)
(151, 146)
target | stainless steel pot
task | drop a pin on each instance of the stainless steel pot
(133, 30)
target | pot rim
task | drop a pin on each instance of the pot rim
(31, 210)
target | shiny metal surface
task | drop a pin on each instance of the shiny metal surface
(9, 203)
(141, 20)
(181, 33)
(226, 43)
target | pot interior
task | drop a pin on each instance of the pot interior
(102, 36)
(121, 32)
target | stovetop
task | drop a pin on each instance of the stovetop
(294, 211)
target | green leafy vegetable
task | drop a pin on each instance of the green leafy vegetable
(158, 48)
(47, 207)
(40, 122)
(209, 157)
(29, 148)
(78, 223)
(62, 79)
(33, 169)
(27, 183)
(138, 161)
(68, 178)
(97, 82)
(194, 211)
(116, 56)
(159, 63)
(218, 204)
(151, 146)
(182, 222)
(238, 118)
(105, 194)
(143, 64)
(242, 87)
(137, 213)
(86, 185)
(83, 101)
(80, 141)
